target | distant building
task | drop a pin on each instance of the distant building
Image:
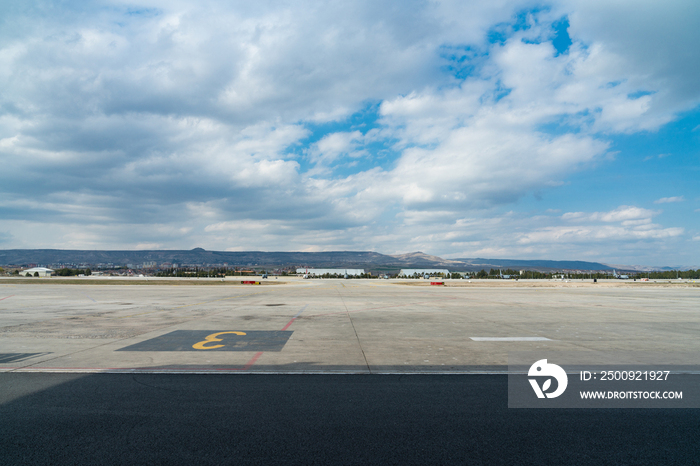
(341, 272)
(149, 265)
(422, 272)
(42, 271)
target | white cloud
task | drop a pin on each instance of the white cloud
(597, 233)
(625, 214)
(660, 156)
(668, 200)
(334, 145)
(468, 145)
(636, 30)
(481, 165)
(187, 123)
(634, 223)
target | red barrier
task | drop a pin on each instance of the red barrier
(250, 283)
(437, 283)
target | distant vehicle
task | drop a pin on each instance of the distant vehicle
(346, 276)
(264, 275)
(621, 277)
(503, 276)
(306, 276)
(426, 276)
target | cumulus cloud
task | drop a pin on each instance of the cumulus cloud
(336, 145)
(178, 124)
(634, 31)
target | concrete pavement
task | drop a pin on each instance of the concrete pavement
(356, 326)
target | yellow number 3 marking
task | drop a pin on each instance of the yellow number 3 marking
(212, 338)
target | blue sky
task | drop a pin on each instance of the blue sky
(513, 129)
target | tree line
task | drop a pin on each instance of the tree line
(72, 272)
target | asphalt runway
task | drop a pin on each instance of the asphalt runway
(318, 419)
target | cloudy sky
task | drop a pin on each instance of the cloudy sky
(501, 129)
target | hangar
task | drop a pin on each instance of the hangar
(42, 271)
(340, 272)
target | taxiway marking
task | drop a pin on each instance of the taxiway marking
(212, 338)
(252, 361)
(294, 318)
(198, 340)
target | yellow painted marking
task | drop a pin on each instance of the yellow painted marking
(212, 338)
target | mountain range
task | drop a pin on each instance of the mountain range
(350, 259)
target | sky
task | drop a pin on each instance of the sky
(563, 130)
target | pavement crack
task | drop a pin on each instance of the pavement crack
(347, 311)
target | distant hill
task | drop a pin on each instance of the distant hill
(647, 268)
(197, 256)
(416, 258)
(535, 264)
(360, 259)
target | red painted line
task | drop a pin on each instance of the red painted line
(255, 358)
(6, 297)
(288, 324)
(250, 363)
